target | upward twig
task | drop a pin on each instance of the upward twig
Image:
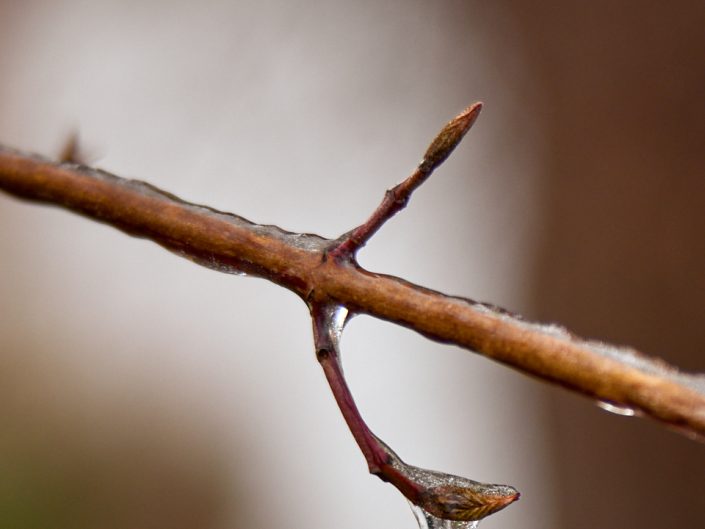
(396, 198)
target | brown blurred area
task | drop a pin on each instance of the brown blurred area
(622, 251)
(72, 457)
(139, 391)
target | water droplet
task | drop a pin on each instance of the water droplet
(427, 521)
(337, 317)
(617, 409)
(212, 263)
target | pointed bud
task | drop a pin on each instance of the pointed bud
(467, 503)
(71, 151)
(446, 496)
(449, 138)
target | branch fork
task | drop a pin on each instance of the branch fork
(325, 274)
(441, 495)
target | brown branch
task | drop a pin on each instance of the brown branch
(298, 262)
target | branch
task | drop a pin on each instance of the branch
(325, 274)
(439, 495)
(229, 243)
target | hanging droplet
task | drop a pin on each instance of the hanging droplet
(333, 319)
(212, 263)
(427, 521)
(617, 409)
(338, 319)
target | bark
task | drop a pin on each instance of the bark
(309, 266)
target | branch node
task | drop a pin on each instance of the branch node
(322, 354)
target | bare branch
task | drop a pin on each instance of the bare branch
(299, 262)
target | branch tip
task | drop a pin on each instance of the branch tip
(449, 137)
(397, 198)
(444, 495)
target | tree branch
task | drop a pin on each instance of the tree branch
(619, 376)
(438, 494)
(325, 273)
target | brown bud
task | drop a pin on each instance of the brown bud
(449, 138)
(71, 151)
(446, 496)
(467, 503)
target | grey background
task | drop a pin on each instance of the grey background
(139, 390)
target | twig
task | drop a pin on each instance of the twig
(396, 198)
(298, 262)
(441, 495)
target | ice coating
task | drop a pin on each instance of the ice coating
(624, 411)
(624, 355)
(212, 263)
(427, 521)
(446, 497)
(303, 241)
(337, 317)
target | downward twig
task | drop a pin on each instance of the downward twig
(441, 495)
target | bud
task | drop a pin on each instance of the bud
(446, 496)
(71, 151)
(467, 502)
(449, 138)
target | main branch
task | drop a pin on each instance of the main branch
(300, 262)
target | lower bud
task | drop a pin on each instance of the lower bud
(447, 496)
(467, 503)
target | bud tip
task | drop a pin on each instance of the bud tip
(449, 137)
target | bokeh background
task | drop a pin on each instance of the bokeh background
(139, 390)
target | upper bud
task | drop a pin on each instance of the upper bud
(449, 138)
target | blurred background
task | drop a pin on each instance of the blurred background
(139, 390)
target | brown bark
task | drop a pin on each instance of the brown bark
(300, 263)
